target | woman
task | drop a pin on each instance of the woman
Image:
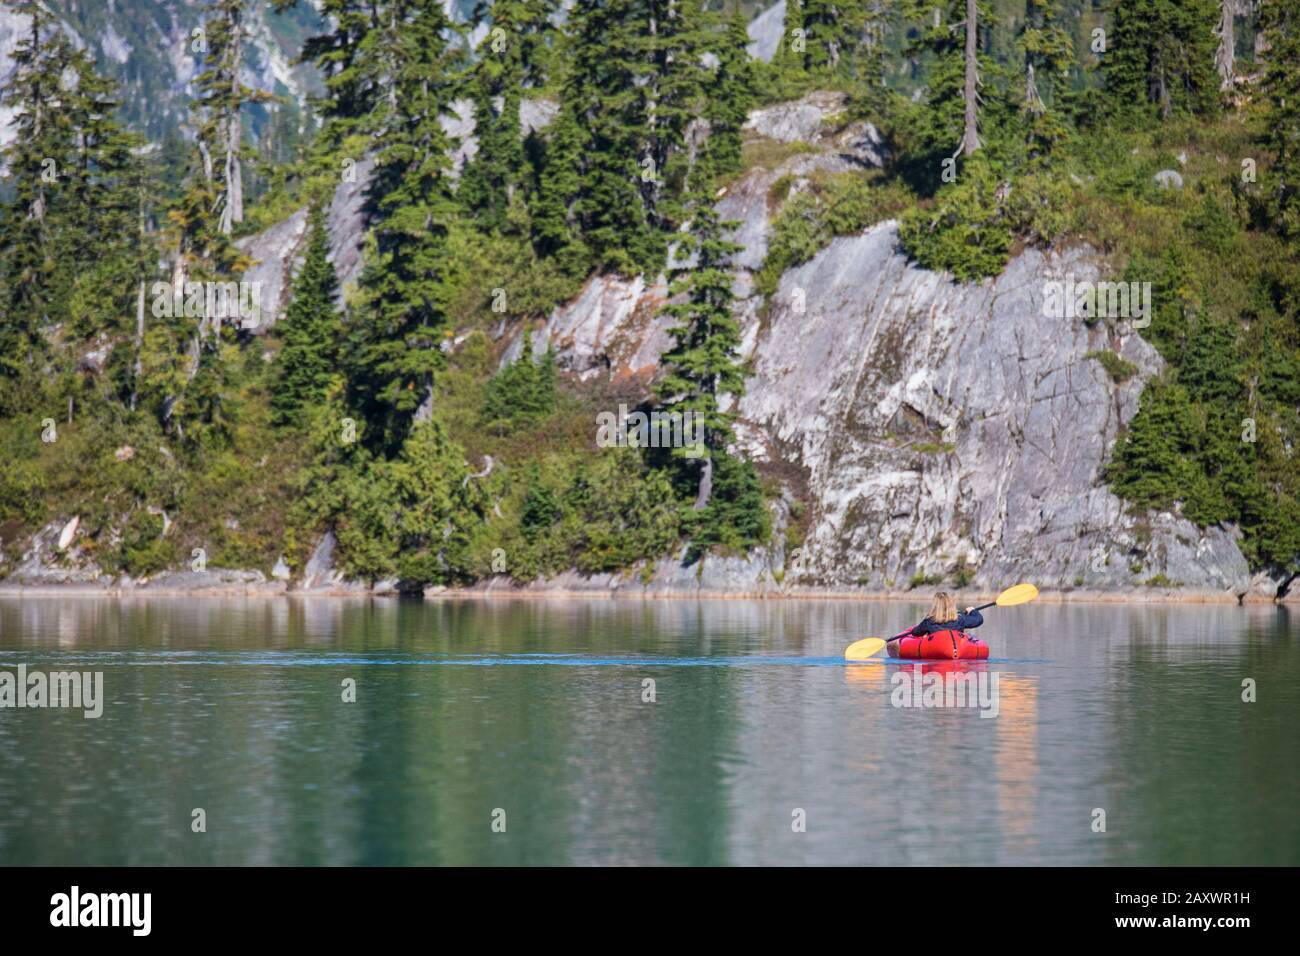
(944, 617)
(941, 635)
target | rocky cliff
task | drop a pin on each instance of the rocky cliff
(923, 430)
(940, 430)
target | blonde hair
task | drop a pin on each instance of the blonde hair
(944, 608)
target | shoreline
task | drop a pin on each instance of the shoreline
(280, 590)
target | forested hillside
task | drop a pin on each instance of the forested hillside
(184, 423)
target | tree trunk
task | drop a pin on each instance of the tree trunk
(706, 485)
(234, 209)
(139, 344)
(970, 140)
(1225, 59)
(1033, 102)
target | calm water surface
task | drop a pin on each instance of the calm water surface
(535, 708)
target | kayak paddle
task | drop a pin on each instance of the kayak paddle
(1016, 594)
(870, 646)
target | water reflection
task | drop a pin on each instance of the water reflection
(235, 705)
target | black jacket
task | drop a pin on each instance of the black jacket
(964, 622)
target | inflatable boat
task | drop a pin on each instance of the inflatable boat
(939, 646)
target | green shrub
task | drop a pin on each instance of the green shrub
(1118, 368)
(966, 231)
(837, 205)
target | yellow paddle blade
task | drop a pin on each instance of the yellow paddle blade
(1018, 594)
(861, 650)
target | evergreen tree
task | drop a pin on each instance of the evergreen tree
(635, 84)
(833, 31)
(970, 140)
(310, 329)
(41, 149)
(678, 40)
(393, 348)
(219, 104)
(556, 229)
(730, 97)
(523, 391)
(203, 220)
(433, 508)
(72, 244)
(961, 74)
(607, 89)
(1049, 52)
(736, 517)
(349, 58)
(1280, 22)
(1161, 54)
(703, 364)
(512, 58)
(788, 63)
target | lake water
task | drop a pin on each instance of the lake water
(532, 715)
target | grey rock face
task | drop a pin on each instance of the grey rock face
(277, 252)
(765, 32)
(611, 329)
(941, 426)
(53, 558)
(320, 573)
(944, 429)
(799, 121)
(946, 425)
(212, 580)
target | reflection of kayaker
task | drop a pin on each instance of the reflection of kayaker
(941, 635)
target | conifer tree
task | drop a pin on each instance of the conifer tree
(349, 60)
(605, 89)
(676, 43)
(524, 391)
(788, 63)
(833, 33)
(730, 96)
(1049, 52)
(513, 57)
(1161, 54)
(72, 244)
(1280, 22)
(393, 351)
(40, 151)
(556, 228)
(703, 364)
(635, 84)
(219, 104)
(310, 329)
(203, 220)
(949, 32)
(970, 140)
